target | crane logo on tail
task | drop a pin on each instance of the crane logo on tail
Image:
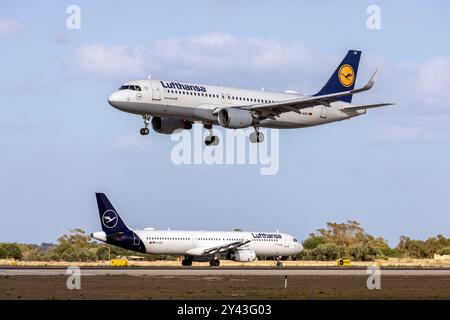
(346, 75)
(110, 219)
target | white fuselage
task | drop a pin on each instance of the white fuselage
(192, 243)
(199, 103)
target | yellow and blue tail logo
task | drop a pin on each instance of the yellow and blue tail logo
(343, 79)
(346, 75)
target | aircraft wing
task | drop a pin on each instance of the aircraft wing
(270, 110)
(225, 247)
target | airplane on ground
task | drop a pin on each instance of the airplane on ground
(172, 105)
(193, 245)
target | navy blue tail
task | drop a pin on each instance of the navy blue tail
(344, 78)
(110, 219)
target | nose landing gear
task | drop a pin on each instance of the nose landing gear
(145, 131)
(187, 262)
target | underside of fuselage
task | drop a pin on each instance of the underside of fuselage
(290, 120)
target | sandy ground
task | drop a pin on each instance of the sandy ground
(409, 263)
(224, 287)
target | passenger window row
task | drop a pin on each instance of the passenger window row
(218, 96)
(166, 238)
(176, 238)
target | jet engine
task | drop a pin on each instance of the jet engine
(169, 125)
(242, 256)
(234, 118)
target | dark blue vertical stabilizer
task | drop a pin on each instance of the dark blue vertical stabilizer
(110, 219)
(344, 78)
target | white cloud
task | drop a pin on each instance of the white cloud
(9, 28)
(435, 78)
(208, 57)
(108, 62)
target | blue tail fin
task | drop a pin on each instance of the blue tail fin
(344, 78)
(110, 219)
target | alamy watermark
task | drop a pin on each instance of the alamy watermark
(234, 148)
(373, 21)
(374, 279)
(73, 21)
(74, 279)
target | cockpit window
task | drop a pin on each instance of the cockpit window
(295, 240)
(130, 87)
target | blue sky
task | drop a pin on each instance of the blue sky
(60, 141)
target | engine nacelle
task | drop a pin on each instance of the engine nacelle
(169, 125)
(234, 118)
(243, 256)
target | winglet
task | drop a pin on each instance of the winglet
(371, 81)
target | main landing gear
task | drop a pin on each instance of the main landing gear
(187, 262)
(256, 136)
(145, 131)
(211, 139)
(214, 262)
(279, 263)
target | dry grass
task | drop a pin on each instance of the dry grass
(394, 262)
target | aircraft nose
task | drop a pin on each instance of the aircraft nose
(114, 98)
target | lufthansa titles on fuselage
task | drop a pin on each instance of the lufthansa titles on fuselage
(176, 85)
(266, 235)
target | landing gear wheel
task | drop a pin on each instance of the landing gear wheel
(186, 262)
(279, 263)
(256, 137)
(212, 140)
(144, 131)
(214, 263)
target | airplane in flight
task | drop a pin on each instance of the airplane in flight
(172, 105)
(193, 245)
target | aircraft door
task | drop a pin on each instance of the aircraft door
(323, 111)
(156, 88)
(136, 239)
(194, 241)
(229, 100)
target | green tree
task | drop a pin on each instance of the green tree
(103, 253)
(326, 251)
(313, 241)
(445, 251)
(363, 252)
(10, 251)
(76, 246)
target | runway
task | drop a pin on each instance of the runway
(222, 283)
(220, 272)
